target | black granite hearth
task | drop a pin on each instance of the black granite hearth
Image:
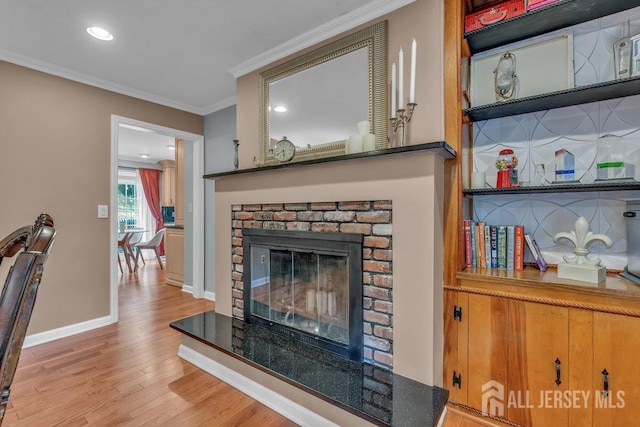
(373, 393)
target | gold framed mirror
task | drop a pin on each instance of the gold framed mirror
(317, 99)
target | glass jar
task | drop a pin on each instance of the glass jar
(506, 164)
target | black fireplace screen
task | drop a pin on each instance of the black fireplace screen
(306, 285)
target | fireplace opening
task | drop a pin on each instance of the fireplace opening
(306, 285)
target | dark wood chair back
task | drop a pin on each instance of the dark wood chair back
(19, 293)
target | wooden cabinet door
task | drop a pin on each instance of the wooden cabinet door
(616, 347)
(174, 259)
(538, 364)
(179, 186)
(168, 190)
(487, 369)
(456, 333)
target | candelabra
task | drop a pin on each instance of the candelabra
(404, 116)
(236, 142)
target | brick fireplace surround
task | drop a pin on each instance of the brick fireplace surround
(373, 219)
(412, 178)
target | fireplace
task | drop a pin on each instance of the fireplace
(306, 285)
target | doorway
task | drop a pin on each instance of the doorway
(193, 206)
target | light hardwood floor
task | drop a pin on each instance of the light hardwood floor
(128, 374)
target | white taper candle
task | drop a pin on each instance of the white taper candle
(412, 82)
(401, 79)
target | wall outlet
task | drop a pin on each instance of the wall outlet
(263, 259)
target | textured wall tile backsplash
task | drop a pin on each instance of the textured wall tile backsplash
(535, 137)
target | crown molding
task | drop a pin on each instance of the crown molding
(360, 16)
(68, 74)
(220, 105)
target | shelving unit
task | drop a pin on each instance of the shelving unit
(564, 98)
(559, 188)
(495, 318)
(544, 20)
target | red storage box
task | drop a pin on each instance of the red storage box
(494, 14)
(534, 4)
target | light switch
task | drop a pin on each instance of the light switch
(103, 211)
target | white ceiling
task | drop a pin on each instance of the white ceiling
(133, 143)
(176, 53)
(184, 54)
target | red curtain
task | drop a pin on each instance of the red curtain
(151, 184)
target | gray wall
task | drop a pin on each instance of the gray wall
(219, 133)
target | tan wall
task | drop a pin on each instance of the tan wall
(422, 20)
(55, 139)
(414, 183)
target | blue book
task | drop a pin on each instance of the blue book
(493, 231)
(474, 254)
(511, 251)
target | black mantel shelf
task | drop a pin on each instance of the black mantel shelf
(439, 147)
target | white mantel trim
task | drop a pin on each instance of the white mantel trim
(289, 409)
(360, 16)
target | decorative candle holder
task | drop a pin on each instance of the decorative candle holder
(404, 117)
(236, 143)
(579, 267)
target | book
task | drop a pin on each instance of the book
(502, 246)
(493, 230)
(480, 245)
(535, 251)
(511, 247)
(518, 256)
(487, 246)
(474, 255)
(466, 228)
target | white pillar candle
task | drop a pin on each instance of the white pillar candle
(369, 142)
(412, 82)
(400, 79)
(311, 301)
(321, 299)
(354, 145)
(331, 303)
(393, 90)
(364, 127)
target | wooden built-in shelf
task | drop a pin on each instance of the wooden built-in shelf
(537, 284)
(555, 16)
(440, 148)
(564, 98)
(559, 188)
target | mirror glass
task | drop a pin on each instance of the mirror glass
(317, 100)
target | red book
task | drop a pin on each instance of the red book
(467, 242)
(481, 249)
(519, 248)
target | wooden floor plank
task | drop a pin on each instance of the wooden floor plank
(128, 373)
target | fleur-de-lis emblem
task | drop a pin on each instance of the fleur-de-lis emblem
(582, 237)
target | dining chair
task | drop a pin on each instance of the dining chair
(153, 243)
(19, 293)
(125, 246)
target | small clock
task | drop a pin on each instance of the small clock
(284, 150)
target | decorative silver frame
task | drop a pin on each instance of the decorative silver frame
(375, 39)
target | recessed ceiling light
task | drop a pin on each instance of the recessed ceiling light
(144, 156)
(171, 147)
(280, 109)
(100, 33)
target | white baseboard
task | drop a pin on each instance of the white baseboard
(287, 408)
(66, 331)
(188, 289)
(211, 296)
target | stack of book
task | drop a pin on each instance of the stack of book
(498, 246)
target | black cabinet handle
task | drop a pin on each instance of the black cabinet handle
(558, 382)
(605, 391)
